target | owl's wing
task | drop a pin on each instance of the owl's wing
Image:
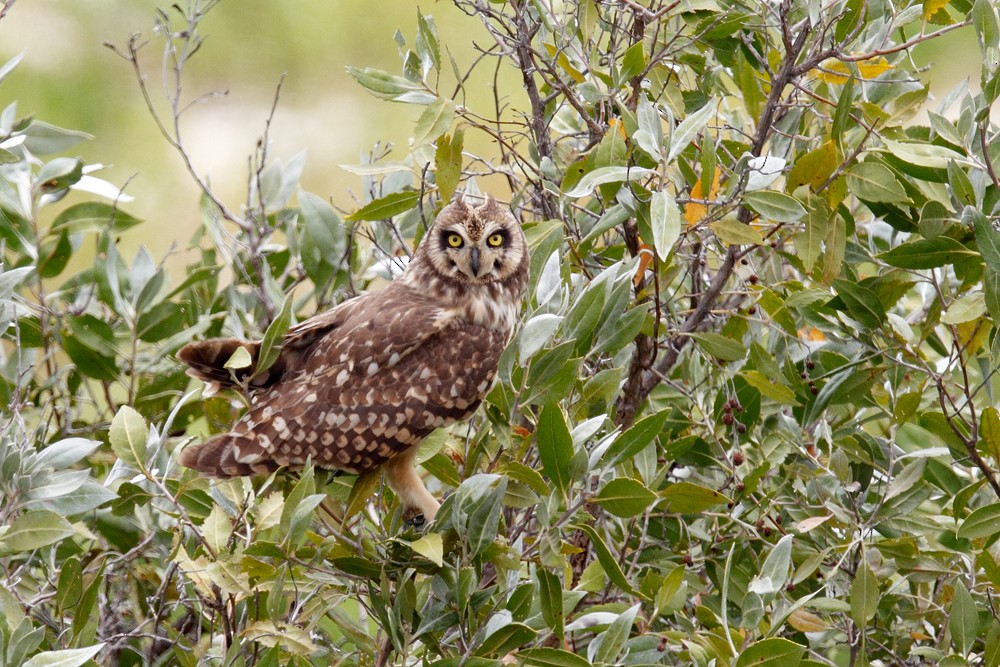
(374, 386)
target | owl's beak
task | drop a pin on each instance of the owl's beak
(474, 262)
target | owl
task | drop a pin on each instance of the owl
(360, 385)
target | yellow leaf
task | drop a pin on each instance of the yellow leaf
(806, 621)
(932, 7)
(563, 62)
(431, 547)
(833, 71)
(695, 212)
(645, 257)
(971, 334)
(872, 68)
(813, 168)
(812, 334)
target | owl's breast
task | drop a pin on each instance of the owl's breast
(490, 309)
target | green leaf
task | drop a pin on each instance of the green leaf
(987, 238)
(270, 346)
(34, 530)
(386, 207)
(981, 523)
(773, 652)
(555, 446)
(987, 26)
(484, 520)
(73, 657)
(776, 206)
(927, 253)
(845, 103)
(217, 528)
(625, 497)
(324, 238)
(608, 561)
(875, 182)
(862, 303)
(689, 498)
(864, 595)
(689, 128)
(635, 439)
(771, 387)
(391, 87)
(448, 163)
(45, 139)
(506, 638)
(59, 174)
(633, 62)
(809, 242)
(605, 175)
(929, 156)
(665, 219)
(550, 601)
(435, 120)
(774, 572)
(963, 619)
(553, 657)
(613, 639)
(721, 347)
(128, 435)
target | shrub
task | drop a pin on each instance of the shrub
(747, 417)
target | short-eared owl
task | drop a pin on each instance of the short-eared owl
(361, 385)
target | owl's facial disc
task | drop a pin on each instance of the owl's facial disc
(478, 260)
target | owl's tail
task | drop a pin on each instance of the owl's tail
(208, 359)
(228, 455)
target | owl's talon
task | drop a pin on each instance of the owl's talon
(414, 518)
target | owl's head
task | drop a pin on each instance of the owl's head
(476, 245)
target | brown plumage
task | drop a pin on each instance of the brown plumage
(362, 384)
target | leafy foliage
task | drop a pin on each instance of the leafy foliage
(747, 419)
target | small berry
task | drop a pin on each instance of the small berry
(813, 390)
(810, 364)
(767, 532)
(790, 587)
(688, 560)
(740, 486)
(741, 427)
(738, 458)
(804, 375)
(727, 419)
(752, 310)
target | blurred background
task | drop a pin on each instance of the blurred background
(70, 78)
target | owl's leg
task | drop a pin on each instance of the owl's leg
(408, 487)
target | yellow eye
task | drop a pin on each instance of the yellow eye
(454, 241)
(495, 240)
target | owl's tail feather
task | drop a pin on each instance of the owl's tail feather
(208, 358)
(227, 455)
